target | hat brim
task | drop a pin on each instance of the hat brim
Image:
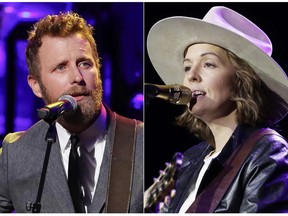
(169, 37)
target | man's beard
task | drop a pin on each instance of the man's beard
(87, 110)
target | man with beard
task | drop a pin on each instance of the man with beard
(62, 59)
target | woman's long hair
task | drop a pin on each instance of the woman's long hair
(255, 102)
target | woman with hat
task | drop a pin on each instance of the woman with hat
(238, 93)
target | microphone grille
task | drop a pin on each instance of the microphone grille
(70, 99)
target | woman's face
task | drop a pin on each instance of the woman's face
(209, 73)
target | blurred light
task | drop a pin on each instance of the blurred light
(137, 101)
(25, 14)
(2, 62)
(9, 9)
(2, 123)
(138, 74)
(107, 80)
(92, 22)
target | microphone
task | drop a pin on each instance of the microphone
(175, 94)
(52, 111)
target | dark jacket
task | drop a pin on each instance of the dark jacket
(21, 160)
(261, 185)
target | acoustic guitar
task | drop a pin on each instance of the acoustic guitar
(163, 185)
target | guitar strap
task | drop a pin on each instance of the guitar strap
(121, 166)
(210, 197)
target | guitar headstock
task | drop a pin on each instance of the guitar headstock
(163, 184)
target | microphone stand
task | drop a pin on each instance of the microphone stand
(49, 114)
(50, 139)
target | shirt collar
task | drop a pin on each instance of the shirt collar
(63, 137)
(96, 132)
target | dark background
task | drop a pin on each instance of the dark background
(162, 137)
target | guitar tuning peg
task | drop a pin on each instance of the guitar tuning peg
(162, 172)
(155, 179)
(168, 164)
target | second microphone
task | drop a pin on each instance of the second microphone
(175, 94)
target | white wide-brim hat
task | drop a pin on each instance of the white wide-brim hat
(223, 27)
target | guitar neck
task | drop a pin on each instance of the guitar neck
(162, 185)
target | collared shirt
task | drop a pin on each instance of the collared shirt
(92, 145)
(192, 196)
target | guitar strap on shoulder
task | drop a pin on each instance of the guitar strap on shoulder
(121, 166)
(210, 197)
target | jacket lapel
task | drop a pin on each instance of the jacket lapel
(98, 203)
(189, 172)
(57, 180)
(194, 160)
